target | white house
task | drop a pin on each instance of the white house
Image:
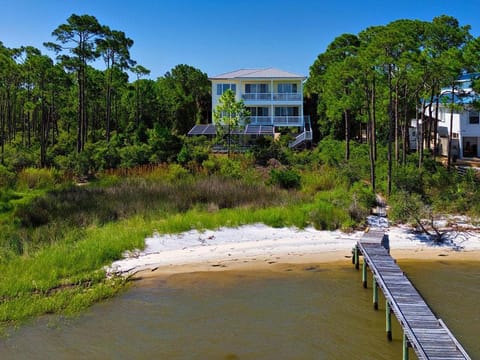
(274, 99)
(466, 122)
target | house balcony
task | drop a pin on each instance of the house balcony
(271, 97)
(278, 120)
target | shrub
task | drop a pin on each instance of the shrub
(267, 148)
(286, 179)
(32, 178)
(210, 166)
(327, 216)
(134, 155)
(177, 173)
(231, 168)
(7, 178)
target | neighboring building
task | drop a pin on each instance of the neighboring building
(466, 121)
(274, 99)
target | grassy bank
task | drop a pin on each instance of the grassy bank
(57, 237)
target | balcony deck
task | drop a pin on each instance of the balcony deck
(272, 97)
(278, 120)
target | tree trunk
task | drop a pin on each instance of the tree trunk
(391, 124)
(420, 134)
(450, 133)
(406, 125)
(374, 120)
(108, 104)
(347, 136)
(435, 129)
(396, 124)
(371, 147)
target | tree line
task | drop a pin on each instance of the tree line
(368, 86)
(54, 110)
(67, 113)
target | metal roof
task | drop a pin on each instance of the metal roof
(269, 73)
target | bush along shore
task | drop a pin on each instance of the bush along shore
(57, 236)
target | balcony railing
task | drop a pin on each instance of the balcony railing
(272, 97)
(277, 120)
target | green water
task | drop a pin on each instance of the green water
(297, 312)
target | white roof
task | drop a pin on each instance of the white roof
(270, 73)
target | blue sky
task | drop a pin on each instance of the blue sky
(220, 36)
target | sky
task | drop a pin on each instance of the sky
(221, 36)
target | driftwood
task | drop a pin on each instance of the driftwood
(439, 233)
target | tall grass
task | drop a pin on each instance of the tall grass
(53, 254)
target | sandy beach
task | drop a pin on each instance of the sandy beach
(255, 247)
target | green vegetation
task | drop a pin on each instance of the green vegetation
(91, 163)
(58, 236)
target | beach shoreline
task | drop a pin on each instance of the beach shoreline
(258, 247)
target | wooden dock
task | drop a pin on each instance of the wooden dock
(422, 330)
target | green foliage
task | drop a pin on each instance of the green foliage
(406, 207)
(266, 148)
(164, 145)
(327, 216)
(231, 168)
(134, 155)
(32, 178)
(331, 152)
(409, 179)
(7, 178)
(362, 201)
(18, 157)
(286, 179)
(194, 152)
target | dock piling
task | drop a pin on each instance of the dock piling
(364, 273)
(405, 347)
(388, 320)
(356, 256)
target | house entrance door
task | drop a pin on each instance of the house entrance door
(470, 147)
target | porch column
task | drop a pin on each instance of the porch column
(272, 108)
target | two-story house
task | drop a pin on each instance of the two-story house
(463, 121)
(274, 99)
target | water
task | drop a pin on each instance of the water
(296, 312)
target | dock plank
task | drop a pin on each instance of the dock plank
(427, 335)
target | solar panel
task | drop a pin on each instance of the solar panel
(259, 130)
(266, 130)
(210, 129)
(203, 129)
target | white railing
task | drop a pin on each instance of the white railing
(272, 97)
(301, 138)
(257, 96)
(287, 97)
(277, 120)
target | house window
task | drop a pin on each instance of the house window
(256, 88)
(286, 111)
(258, 111)
(221, 88)
(474, 117)
(287, 88)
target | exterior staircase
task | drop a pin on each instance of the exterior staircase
(303, 137)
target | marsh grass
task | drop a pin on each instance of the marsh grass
(53, 253)
(56, 243)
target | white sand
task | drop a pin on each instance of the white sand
(261, 243)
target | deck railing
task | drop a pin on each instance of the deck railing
(277, 120)
(272, 97)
